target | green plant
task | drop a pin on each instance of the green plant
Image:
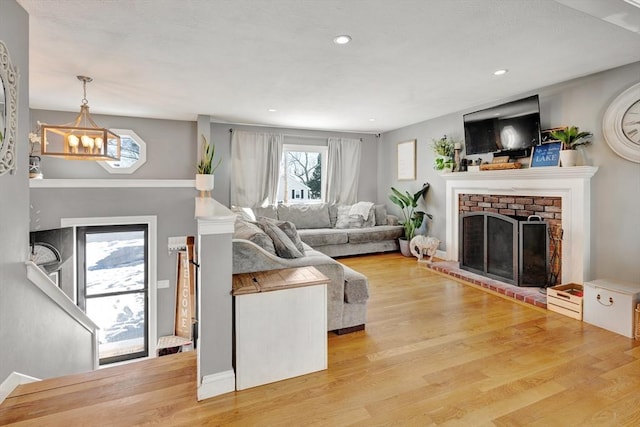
(571, 137)
(444, 147)
(408, 203)
(205, 166)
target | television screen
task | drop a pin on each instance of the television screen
(506, 127)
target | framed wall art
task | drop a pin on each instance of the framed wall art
(406, 166)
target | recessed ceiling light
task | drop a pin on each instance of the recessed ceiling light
(500, 72)
(342, 39)
(272, 110)
(372, 119)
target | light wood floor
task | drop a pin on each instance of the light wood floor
(435, 352)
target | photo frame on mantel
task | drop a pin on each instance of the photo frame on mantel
(546, 155)
(406, 160)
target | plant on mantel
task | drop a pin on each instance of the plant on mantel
(571, 137)
(445, 149)
(206, 168)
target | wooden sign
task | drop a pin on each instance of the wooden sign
(185, 292)
(546, 155)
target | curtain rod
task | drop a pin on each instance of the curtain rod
(290, 135)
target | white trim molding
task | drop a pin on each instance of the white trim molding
(216, 384)
(571, 184)
(14, 380)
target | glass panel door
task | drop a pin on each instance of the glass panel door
(113, 288)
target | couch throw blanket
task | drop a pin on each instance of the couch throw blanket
(362, 209)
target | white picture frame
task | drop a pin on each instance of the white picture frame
(406, 160)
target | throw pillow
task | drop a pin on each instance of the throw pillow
(289, 229)
(348, 221)
(270, 211)
(283, 244)
(251, 232)
(244, 213)
(307, 215)
(381, 214)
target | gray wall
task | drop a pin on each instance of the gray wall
(615, 234)
(36, 334)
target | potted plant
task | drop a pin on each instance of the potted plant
(205, 168)
(445, 149)
(411, 218)
(571, 139)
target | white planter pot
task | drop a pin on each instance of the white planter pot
(568, 158)
(204, 182)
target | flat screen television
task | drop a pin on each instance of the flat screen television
(507, 129)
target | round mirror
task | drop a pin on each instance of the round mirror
(8, 111)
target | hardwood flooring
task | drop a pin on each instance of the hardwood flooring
(434, 352)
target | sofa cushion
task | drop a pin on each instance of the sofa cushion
(381, 214)
(249, 231)
(285, 248)
(244, 213)
(269, 211)
(375, 234)
(346, 220)
(289, 229)
(323, 237)
(312, 215)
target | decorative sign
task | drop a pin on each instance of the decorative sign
(546, 155)
(185, 292)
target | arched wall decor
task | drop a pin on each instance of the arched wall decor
(8, 111)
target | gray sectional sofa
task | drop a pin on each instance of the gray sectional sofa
(320, 233)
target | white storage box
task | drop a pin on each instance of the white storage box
(610, 304)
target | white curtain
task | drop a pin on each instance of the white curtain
(255, 166)
(343, 170)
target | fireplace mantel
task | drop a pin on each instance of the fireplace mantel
(572, 185)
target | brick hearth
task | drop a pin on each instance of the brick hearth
(529, 295)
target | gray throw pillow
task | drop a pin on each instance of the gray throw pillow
(348, 221)
(381, 214)
(289, 229)
(250, 231)
(283, 244)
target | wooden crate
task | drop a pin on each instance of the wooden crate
(566, 299)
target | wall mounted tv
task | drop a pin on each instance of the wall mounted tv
(506, 129)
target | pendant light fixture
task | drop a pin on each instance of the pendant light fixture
(81, 140)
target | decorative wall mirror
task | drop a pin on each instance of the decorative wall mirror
(8, 111)
(133, 153)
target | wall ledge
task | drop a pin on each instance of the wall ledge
(112, 183)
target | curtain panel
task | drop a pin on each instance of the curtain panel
(343, 170)
(255, 166)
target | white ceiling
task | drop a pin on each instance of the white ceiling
(410, 60)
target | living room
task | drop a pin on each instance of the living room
(173, 145)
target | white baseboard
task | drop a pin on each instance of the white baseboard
(14, 380)
(217, 384)
(441, 254)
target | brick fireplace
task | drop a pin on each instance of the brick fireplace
(549, 208)
(561, 196)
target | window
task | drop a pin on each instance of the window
(113, 287)
(133, 153)
(303, 174)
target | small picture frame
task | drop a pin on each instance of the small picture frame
(546, 155)
(406, 165)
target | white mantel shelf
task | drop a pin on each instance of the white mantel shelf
(583, 172)
(572, 185)
(112, 183)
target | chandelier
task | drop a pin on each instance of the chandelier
(81, 140)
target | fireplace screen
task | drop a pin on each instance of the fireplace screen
(503, 248)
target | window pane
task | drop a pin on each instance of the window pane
(115, 262)
(121, 319)
(303, 179)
